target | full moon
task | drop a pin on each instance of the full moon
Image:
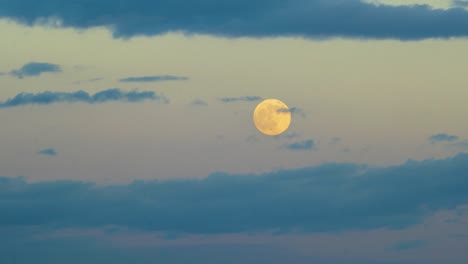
(272, 117)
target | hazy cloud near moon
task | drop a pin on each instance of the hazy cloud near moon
(325, 198)
(301, 145)
(246, 18)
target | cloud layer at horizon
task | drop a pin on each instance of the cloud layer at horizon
(259, 18)
(325, 198)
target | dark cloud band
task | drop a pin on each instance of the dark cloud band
(330, 197)
(246, 18)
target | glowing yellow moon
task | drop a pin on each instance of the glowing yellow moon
(272, 117)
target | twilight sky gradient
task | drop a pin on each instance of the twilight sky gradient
(127, 134)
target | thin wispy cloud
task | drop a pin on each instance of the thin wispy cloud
(88, 80)
(443, 137)
(46, 98)
(35, 69)
(199, 102)
(308, 144)
(368, 198)
(461, 144)
(408, 245)
(240, 99)
(292, 110)
(288, 135)
(262, 18)
(47, 152)
(155, 78)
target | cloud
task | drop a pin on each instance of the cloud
(301, 145)
(48, 152)
(198, 102)
(461, 144)
(156, 78)
(246, 18)
(442, 137)
(35, 69)
(408, 244)
(326, 198)
(460, 3)
(45, 98)
(88, 81)
(288, 135)
(242, 98)
(292, 110)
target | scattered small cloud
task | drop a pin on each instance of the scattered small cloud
(288, 135)
(47, 97)
(301, 145)
(88, 81)
(408, 244)
(47, 152)
(35, 69)
(242, 98)
(442, 137)
(155, 78)
(199, 102)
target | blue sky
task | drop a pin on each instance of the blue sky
(127, 132)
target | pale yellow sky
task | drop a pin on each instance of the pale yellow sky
(382, 98)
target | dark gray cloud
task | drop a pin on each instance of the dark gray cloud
(242, 98)
(442, 137)
(408, 244)
(48, 152)
(45, 98)
(301, 145)
(35, 69)
(331, 197)
(155, 78)
(245, 18)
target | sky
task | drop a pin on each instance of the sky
(126, 131)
